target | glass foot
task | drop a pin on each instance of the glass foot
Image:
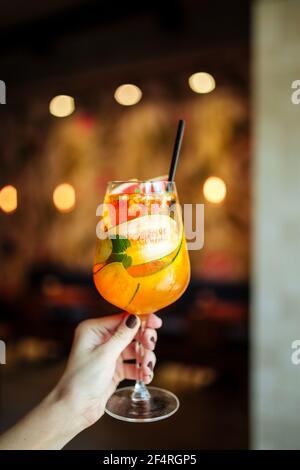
(161, 405)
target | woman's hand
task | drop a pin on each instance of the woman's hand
(96, 364)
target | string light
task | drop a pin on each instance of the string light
(214, 190)
(8, 199)
(64, 197)
(202, 82)
(128, 94)
(62, 106)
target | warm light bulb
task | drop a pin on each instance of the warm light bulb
(202, 82)
(62, 106)
(8, 199)
(214, 189)
(64, 197)
(128, 94)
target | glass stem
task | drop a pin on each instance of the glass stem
(140, 392)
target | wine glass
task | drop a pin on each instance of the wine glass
(141, 265)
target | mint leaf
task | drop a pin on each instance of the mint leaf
(119, 245)
(118, 255)
(116, 258)
(120, 258)
(127, 261)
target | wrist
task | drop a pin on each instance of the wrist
(62, 413)
(49, 426)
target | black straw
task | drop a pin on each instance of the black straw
(176, 150)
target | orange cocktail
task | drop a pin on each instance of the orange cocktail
(142, 264)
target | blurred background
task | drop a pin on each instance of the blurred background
(94, 91)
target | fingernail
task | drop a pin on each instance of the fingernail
(152, 339)
(131, 321)
(150, 365)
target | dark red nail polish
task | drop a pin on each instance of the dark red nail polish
(131, 321)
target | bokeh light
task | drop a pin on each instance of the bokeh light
(8, 199)
(202, 82)
(128, 94)
(214, 190)
(64, 197)
(62, 106)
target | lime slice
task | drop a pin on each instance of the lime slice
(103, 251)
(151, 237)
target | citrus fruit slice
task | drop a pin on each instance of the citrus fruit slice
(103, 250)
(116, 285)
(151, 237)
(164, 287)
(152, 267)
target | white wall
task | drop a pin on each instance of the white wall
(275, 398)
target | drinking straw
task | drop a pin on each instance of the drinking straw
(176, 150)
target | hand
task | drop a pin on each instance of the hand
(94, 369)
(96, 364)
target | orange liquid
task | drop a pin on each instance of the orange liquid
(143, 264)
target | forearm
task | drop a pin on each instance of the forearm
(51, 425)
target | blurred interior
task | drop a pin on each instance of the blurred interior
(87, 49)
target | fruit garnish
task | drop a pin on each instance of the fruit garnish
(104, 249)
(97, 267)
(151, 237)
(114, 283)
(162, 288)
(152, 267)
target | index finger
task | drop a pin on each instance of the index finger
(153, 321)
(110, 323)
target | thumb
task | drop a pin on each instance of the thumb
(123, 335)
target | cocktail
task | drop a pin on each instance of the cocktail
(141, 265)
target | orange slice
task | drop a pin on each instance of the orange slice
(164, 287)
(97, 267)
(116, 285)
